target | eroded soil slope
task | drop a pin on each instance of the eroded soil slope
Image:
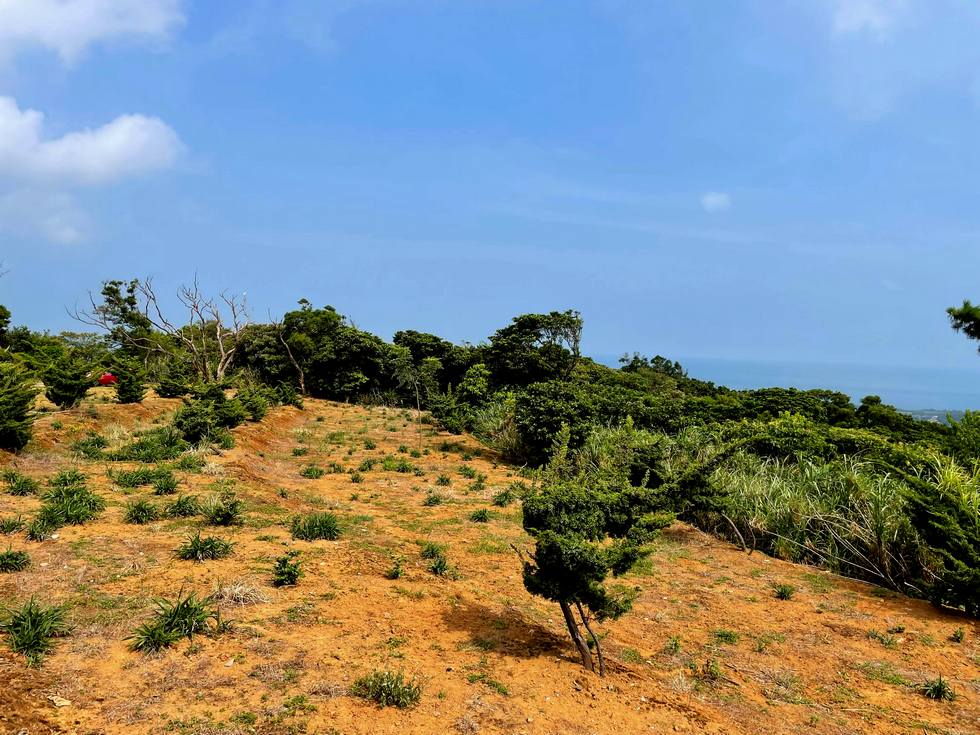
(708, 647)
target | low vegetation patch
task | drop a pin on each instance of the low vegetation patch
(14, 561)
(315, 526)
(183, 617)
(32, 629)
(388, 689)
(198, 548)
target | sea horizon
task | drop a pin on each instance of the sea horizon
(909, 388)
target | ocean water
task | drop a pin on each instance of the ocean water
(907, 388)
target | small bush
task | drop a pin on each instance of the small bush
(223, 509)
(432, 550)
(443, 481)
(367, 465)
(21, 485)
(184, 507)
(388, 689)
(673, 645)
(725, 636)
(784, 591)
(504, 498)
(300, 451)
(173, 620)
(40, 529)
(287, 570)
(316, 526)
(369, 444)
(938, 689)
(67, 379)
(17, 394)
(480, 516)
(312, 472)
(395, 571)
(468, 472)
(69, 505)
(31, 630)
(197, 548)
(958, 635)
(14, 561)
(439, 566)
(356, 478)
(141, 512)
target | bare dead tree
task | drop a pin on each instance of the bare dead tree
(281, 334)
(210, 336)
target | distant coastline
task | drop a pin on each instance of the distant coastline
(927, 393)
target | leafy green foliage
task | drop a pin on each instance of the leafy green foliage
(223, 509)
(184, 507)
(183, 617)
(17, 394)
(156, 445)
(67, 378)
(20, 485)
(287, 569)
(141, 512)
(938, 689)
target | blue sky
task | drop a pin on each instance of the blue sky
(775, 180)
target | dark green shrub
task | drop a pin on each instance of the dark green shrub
(287, 569)
(432, 499)
(197, 548)
(504, 498)
(316, 526)
(480, 516)
(14, 561)
(784, 591)
(388, 689)
(443, 481)
(255, 401)
(130, 373)
(67, 379)
(32, 628)
(174, 383)
(367, 465)
(67, 504)
(21, 485)
(141, 512)
(17, 394)
(432, 550)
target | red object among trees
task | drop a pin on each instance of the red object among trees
(108, 379)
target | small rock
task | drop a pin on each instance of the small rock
(59, 701)
(229, 663)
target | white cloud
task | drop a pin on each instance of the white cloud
(127, 146)
(35, 173)
(69, 27)
(874, 17)
(715, 201)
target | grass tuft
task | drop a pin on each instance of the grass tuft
(388, 689)
(316, 526)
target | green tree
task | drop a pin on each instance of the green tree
(535, 348)
(131, 374)
(67, 378)
(17, 394)
(588, 522)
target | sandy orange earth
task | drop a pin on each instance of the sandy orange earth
(708, 648)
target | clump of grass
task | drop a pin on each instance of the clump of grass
(431, 550)
(31, 629)
(223, 509)
(395, 571)
(190, 462)
(68, 502)
(20, 485)
(504, 498)
(67, 478)
(784, 591)
(165, 484)
(287, 570)
(156, 445)
(958, 635)
(11, 525)
(370, 444)
(141, 512)
(725, 636)
(133, 478)
(938, 689)
(40, 529)
(433, 499)
(300, 451)
(673, 645)
(240, 592)
(888, 641)
(388, 689)
(367, 465)
(316, 526)
(443, 480)
(483, 678)
(478, 485)
(468, 472)
(356, 478)
(181, 618)
(91, 446)
(312, 472)
(184, 507)
(480, 516)
(14, 561)
(397, 464)
(197, 548)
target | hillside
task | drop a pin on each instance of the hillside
(708, 647)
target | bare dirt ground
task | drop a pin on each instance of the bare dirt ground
(707, 649)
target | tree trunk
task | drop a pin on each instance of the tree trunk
(595, 639)
(573, 629)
